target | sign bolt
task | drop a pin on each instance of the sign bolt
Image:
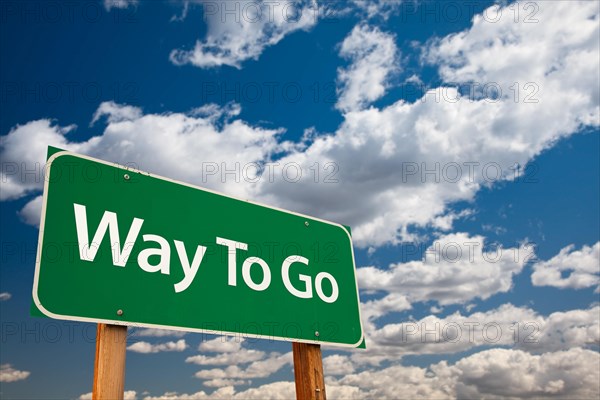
(126, 176)
(306, 223)
(119, 312)
(317, 333)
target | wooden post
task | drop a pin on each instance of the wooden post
(109, 367)
(308, 372)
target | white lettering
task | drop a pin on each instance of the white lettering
(248, 279)
(285, 275)
(319, 288)
(164, 252)
(232, 245)
(87, 250)
(189, 271)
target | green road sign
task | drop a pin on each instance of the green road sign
(122, 246)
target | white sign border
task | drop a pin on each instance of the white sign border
(169, 327)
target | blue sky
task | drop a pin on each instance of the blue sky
(443, 127)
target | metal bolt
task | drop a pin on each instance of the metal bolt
(306, 223)
(126, 176)
(119, 312)
(317, 333)
(317, 390)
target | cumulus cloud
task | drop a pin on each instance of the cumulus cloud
(223, 344)
(507, 325)
(373, 59)
(241, 30)
(570, 268)
(5, 296)
(374, 309)
(9, 374)
(31, 213)
(456, 268)
(337, 365)
(110, 4)
(386, 171)
(145, 347)
(497, 50)
(242, 356)
(402, 165)
(169, 144)
(378, 8)
(494, 374)
(561, 331)
(435, 382)
(257, 369)
(270, 391)
(224, 383)
(153, 332)
(116, 112)
(24, 150)
(501, 373)
(127, 395)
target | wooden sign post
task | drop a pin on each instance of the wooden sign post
(109, 367)
(308, 372)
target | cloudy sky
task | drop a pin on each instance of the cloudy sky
(459, 140)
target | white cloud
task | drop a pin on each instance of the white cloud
(127, 395)
(374, 59)
(184, 12)
(492, 374)
(168, 144)
(337, 365)
(375, 151)
(374, 309)
(383, 155)
(507, 325)
(193, 396)
(245, 31)
(558, 53)
(110, 4)
(455, 269)
(5, 296)
(269, 391)
(378, 8)
(562, 330)
(222, 344)
(223, 383)
(500, 373)
(435, 382)
(145, 347)
(23, 151)
(9, 374)
(116, 112)
(242, 356)
(152, 332)
(582, 266)
(257, 369)
(31, 213)
(435, 310)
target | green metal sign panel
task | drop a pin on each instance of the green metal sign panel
(121, 246)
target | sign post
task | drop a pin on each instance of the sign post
(109, 367)
(308, 372)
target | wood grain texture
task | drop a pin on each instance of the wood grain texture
(308, 372)
(109, 367)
